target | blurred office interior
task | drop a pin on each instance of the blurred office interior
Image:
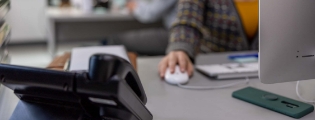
(69, 24)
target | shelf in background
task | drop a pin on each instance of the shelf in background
(4, 9)
(5, 58)
(57, 13)
(5, 33)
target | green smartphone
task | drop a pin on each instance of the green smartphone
(274, 102)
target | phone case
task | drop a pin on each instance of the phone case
(274, 102)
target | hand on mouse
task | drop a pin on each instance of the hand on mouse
(176, 58)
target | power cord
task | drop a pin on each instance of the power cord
(246, 81)
(299, 95)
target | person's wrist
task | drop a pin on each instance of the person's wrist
(182, 51)
(186, 53)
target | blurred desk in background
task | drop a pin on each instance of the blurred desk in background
(72, 24)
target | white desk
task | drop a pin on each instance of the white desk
(167, 102)
(72, 24)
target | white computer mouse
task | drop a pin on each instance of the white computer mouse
(177, 77)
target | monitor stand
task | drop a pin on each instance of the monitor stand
(33, 111)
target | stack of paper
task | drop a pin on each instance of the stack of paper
(80, 56)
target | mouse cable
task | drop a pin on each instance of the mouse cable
(299, 95)
(246, 81)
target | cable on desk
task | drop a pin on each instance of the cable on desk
(299, 95)
(246, 81)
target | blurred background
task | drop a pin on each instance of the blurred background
(43, 29)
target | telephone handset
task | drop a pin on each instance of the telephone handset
(113, 65)
(110, 89)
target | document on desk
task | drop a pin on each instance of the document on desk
(80, 56)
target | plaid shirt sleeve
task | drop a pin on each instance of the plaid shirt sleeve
(186, 32)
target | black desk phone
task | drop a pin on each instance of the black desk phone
(109, 90)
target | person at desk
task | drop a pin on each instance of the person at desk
(210, 26)
(153, 41)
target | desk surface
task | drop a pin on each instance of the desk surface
(167, 102)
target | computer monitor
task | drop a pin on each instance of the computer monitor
(287, 40)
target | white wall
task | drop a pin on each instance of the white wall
(27, 20)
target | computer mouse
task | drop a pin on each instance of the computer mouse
(177, 77)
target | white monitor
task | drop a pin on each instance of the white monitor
(287, 40)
